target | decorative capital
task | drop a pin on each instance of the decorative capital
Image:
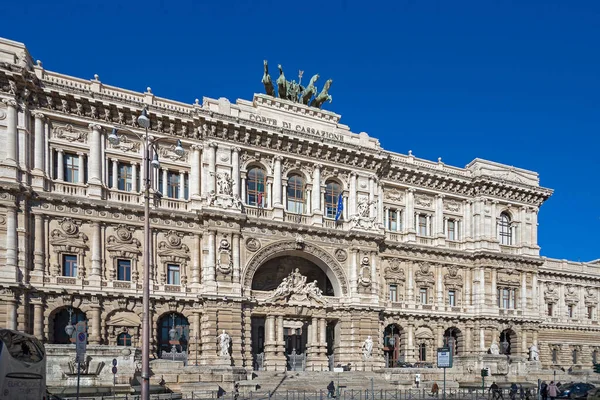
(236, 149)
(198, 147)
(95, 127)
(10, 102)
(39, 115)
(319, 166)
(278, 158)
(213, 144)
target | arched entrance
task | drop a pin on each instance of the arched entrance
(63, 318)
(453, 339)
(508, 342)
(172, 335)
(290, 328)
(391, 345)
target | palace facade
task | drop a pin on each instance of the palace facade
(245, 237)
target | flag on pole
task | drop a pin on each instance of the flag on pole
(340, 207)
(259, 200)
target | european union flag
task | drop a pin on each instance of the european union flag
(340, 207)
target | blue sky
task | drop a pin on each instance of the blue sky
(516, 82)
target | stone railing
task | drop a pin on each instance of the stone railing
(296, 218)
(509, 249)
(555, 265)
(69, 189)
(173, 204)
(256, 212)
(121, 196)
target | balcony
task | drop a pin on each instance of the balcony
(173, 204)
(69, 189)
(256, 212)
(296, 218)
(425, 240)
(121, 196)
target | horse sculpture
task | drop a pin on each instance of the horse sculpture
(310, 91)
(281, 84)
(266, 80)
(323, 96)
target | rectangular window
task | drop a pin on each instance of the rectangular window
(70, 265)
(125, 178)
(71, 167)
(393, 220)
(393, 293)
(173, 274)
(590, 312)
(451, 225)
(506, 298)
(550, 310)
(423, 295)
(452, 298)
(423, 225)
(570, 310)
(124, 270)
(173, 185)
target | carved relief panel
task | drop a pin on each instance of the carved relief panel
(68, 240)
(124, 251)
(172, 252)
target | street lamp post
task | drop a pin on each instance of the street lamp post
(149, 143)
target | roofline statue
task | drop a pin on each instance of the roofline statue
(294, 91)
(266, 80)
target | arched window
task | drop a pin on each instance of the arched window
(124, 339)
(504, 230)
(255, 187)
(295, 194)
(422, 352)
(332, 194)
(62, 319)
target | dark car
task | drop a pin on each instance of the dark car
(577, 390)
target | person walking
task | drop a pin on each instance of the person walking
(513, 391)
(331, 390)
(552, 390)
(495, 391)
(544, 390)
(435, 389)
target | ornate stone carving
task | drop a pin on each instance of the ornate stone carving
(252, 244)
(591, 296)
(452, 206)
(393, 272)
(70, 134)
(362, 218)
(169, 152)
(67, 240)
(423, 201)
(295, 289)
(283, 246)
(508, 277)
(123, 245)
(127, 145)
(424, 276)
(341, 255)
(452, 280)
(571, 295)
(551, 293)
(364, 277)
(394, 195)
(172, 250)
(224, 197)
(224, 259)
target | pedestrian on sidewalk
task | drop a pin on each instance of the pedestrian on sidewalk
(544, 390)
(495, 391)
(331, 390)
(417, 379)
(552, 390)
(435, 389)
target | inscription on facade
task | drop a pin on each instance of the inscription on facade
(297, 127)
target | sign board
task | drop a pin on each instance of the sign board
(80, 340)
(114, 370)
(114, 362)
(444, 357)
(338, 369)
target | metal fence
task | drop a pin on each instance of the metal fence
(346, 394)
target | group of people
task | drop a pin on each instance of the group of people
(546, 391)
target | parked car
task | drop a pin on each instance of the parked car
(577, 390)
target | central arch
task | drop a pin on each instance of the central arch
(315, 254)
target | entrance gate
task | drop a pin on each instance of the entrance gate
(296, 362)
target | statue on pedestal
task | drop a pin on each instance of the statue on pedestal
(224, 341)
(367, 348)
(494, 349)
(534, 353)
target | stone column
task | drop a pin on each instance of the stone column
(134, 177)
(410, 211)
(345, 199)
(10, 271)
(243, 188)
(439, 216)
(236, 257)
(95, 161)
(410, 353)
(96, 337)
(374, 278)
(269, 193)
(440, 286)
(410, 284)
(468, 280)
(270, 328)
(38, 318)
(196, 334)
(323, 333)
(196, 259)
(115, 174)
(280, 339)
(210, 264)
(81, 172)
(39, 158)
(467, 234)
(534, 228)
(60, 165)
(38, 252)
(523, 305)
(235, 170)
(380, 203)
(353, 272)
(371, 196)
(494, 289)
(316, 193)
(181, 185)
(96, 251)
(212, 167)
(165, 182)
(11, 133)
(352, 194)
(468, 340)
(11, 313)
(277, 185)
(196, 165)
